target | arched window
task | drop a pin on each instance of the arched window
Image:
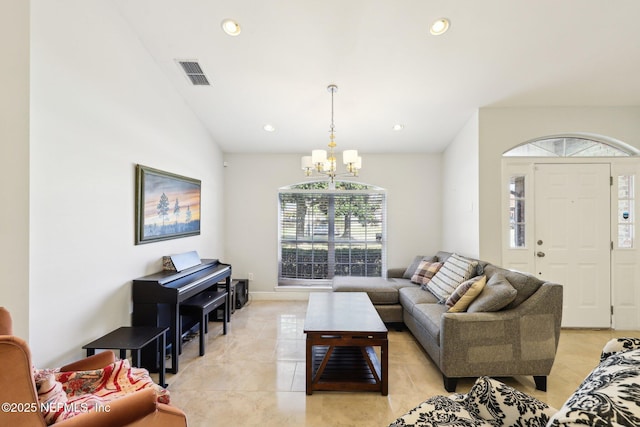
(327, 232)
(569, 146)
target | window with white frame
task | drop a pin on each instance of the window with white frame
(325, 233)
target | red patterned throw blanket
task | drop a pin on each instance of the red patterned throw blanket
(63, 395)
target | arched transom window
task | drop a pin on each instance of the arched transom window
(568, 146)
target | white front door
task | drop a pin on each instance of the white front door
(573, 238)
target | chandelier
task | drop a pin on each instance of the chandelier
(323, 162)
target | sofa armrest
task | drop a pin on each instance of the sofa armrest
(522, 340)
(97, 361)
(119, 412)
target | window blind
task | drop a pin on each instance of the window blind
(327, 233)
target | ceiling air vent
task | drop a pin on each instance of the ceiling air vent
(194, 73)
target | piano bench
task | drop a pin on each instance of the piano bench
(201, 305)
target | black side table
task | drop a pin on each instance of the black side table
(132, 338)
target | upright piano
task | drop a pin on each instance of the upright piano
(157, 298)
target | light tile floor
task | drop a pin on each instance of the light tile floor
(255, 375)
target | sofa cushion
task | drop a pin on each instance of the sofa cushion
(396, 272)
(525, 284)
(442, 256)
(607, 397)
(428, 315)
(414, 265)
(412, 295)
(379, 289)
(497, 293)
(464, 294)
(455, 270)
(425, 271)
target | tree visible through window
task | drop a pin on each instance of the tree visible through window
(324, 233)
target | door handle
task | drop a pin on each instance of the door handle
(540, 254)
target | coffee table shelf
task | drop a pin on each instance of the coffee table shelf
(346, 368)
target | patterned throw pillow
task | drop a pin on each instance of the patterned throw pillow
(438, 411)
(465, 294)
(607, 397)
(502, 405)
(425, 271)
(415, 263)
(455, 270)
(617, 345)
(488, 403)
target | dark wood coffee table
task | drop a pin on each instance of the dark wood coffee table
(342, 328)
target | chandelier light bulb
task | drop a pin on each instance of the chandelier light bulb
(306, 162)
(349, 156)
(318, 156)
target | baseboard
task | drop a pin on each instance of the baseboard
(279, 294)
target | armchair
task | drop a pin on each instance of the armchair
(19, 395)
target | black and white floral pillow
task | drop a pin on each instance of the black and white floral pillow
(619, 344)
(502, 405)
(488, 403)
(609, 396)
(438, 411)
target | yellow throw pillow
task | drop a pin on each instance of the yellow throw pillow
(465, 294)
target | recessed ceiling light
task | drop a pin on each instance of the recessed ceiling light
(269, 128)
(398, 127)
(439, 27)
(231, 27)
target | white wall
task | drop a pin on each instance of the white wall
(460, 189)
(414, 197)
(14, 162)
(99, 106)
(503, 128)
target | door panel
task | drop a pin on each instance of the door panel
(572, 233)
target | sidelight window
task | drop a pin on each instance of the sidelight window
(517, 212)
(626, 214)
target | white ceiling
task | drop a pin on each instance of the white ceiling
(388, 68)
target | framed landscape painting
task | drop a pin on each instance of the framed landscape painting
(167, 205)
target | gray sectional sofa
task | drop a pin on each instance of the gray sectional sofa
(519, 339)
